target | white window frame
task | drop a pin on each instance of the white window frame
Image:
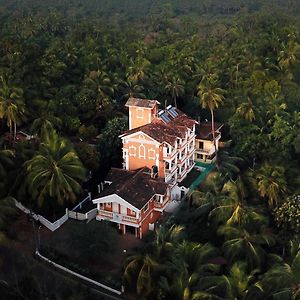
(132, 150)
(144, 151)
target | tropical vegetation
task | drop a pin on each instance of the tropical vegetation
(68, 67)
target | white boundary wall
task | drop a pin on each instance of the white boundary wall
(80, 216)
(51, 226)
(77, 274)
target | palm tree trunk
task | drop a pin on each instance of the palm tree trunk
(213, 133)
(175, 101)
(15, 131)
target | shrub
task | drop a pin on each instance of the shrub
(287, 216)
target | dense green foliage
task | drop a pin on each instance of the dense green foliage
(71, 65)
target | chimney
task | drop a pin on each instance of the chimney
(154, 171)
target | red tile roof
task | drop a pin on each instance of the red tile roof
(204, 131)
(136, 187)
(147, 103)
(166, 132)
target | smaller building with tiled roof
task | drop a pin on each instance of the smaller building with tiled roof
(133, 199)
(204, 146)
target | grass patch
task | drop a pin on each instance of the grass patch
(88, 249)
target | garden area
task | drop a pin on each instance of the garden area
(95, 249)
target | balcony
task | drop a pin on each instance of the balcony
(182, 145)
(191, 151)
(161, 206)
(170, 155)
(170, 171)
(182, 159)
(181, 176)
(192, 136)
(205, 151)
(116, 217)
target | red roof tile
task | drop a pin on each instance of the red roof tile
(204, 131)
(136, 187)
(166, 132)
(147, 103)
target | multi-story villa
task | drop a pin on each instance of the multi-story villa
(161, 138)
(204, 147)
(158, 153)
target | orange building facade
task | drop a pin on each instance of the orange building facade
(161, 138)
(158, 153)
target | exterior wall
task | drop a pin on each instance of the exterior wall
(140, 151)
(139, 116)
(207, 151)
(207, 145)
(150, 218)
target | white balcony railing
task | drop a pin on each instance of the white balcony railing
(116, 217)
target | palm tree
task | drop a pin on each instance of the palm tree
(242, 244)
(282, 281)
(288, 56)
(175, 87)
(211, 97)
(271, 183)
(131, 89)
(136, 72)
(227, 164)
(188, 265)
(143, 269)
(246, 109)
(102, 85)
(166, 239)
(55, 171)
(241, 285)
(12, 107)
(45, 120)
(232, 207)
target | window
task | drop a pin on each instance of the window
(151, 153)
(131, 212)
(201, 145)
(108, 204)
(142, 151)
(132, 151)
(140, 113)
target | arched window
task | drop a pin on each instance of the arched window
(142, 151)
